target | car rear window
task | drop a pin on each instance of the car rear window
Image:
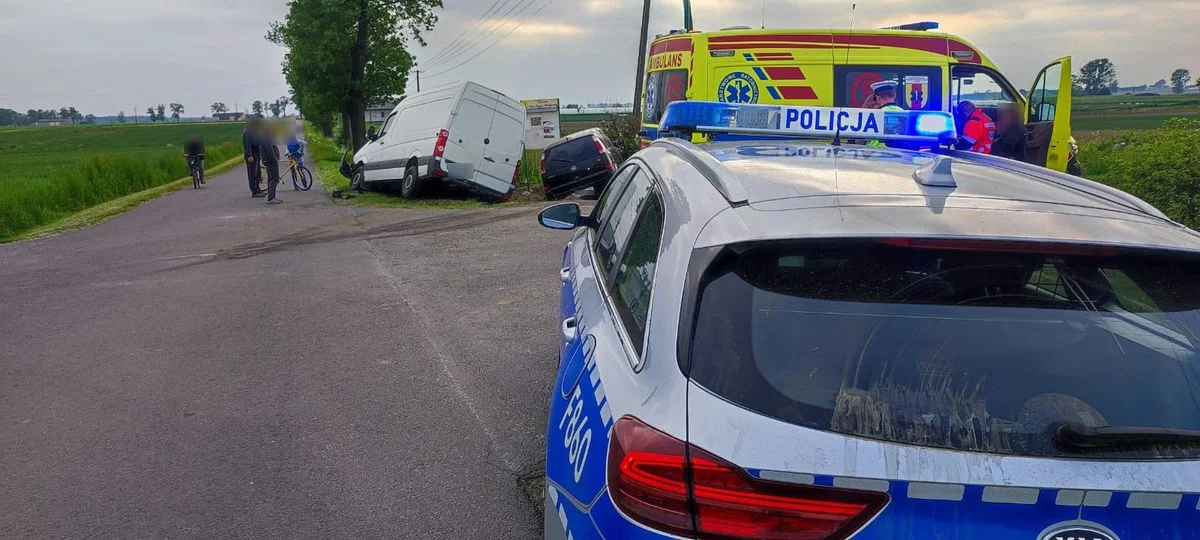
(571, 152)
(989, 348)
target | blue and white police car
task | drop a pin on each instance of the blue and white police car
(771, 337)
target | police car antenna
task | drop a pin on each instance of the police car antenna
(837, 133)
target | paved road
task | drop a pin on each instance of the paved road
(210, 366)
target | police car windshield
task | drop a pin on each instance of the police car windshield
(987, 351)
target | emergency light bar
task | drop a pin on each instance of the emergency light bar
(682, 118)
(919, 26)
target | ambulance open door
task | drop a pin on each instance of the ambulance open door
(1049, 116)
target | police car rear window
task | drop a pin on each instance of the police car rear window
(986, 351)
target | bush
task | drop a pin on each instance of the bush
(623, 130)
(1161, 166)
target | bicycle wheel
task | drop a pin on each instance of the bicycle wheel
(195, 179)
(306, 179)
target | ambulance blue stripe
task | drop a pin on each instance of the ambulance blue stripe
(748, 56)
(761, 74)
(774, 92)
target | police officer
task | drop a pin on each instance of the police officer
(978, 129)
(883, 96)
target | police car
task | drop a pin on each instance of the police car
(775, 336)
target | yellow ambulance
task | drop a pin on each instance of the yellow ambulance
(836, 68)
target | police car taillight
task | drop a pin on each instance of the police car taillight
(677, 488)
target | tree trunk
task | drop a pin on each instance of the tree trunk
(356, 106)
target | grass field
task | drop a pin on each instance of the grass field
(1098, 117)
(50, 173)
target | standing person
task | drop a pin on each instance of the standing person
(251, 150)
(1011, 139)
(883, 97)
(978, 129)
(270, 160)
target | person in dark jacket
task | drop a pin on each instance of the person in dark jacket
(251, 149)
(270, 160)
(193, 150)
(1011, 139)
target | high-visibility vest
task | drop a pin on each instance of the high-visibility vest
(890, 107)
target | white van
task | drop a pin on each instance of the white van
(465, 134)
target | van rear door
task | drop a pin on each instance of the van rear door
(1049, 123)
(503, 147)
(468, 130)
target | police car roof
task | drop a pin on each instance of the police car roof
(875, 191)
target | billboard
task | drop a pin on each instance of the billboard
(541, 122)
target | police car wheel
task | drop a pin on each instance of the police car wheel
(410, 188)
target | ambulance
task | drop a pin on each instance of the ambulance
(836, 68)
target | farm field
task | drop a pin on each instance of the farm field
(1098, 117)
(48, 173)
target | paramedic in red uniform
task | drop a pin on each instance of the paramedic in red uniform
(978, 129)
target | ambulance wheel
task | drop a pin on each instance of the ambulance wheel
(410, 188)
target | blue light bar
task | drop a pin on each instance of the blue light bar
(921, 26)
(682, 118)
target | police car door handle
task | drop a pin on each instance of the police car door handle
(564, 274)
(569, 330)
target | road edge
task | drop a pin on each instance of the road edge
(107, 210)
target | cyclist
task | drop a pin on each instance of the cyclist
(193, 150)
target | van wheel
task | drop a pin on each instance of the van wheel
(410, 188)
(358, 180)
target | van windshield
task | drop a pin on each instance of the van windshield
(983, 351)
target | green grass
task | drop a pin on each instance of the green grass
(327, 157)
(48, 174)
(1113, 122)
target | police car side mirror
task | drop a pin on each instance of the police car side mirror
(561, 217)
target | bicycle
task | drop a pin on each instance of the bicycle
(196, 169)
(301, 176)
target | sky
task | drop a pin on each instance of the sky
(105, 56)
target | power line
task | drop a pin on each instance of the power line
(504, 20)
(493, 44)
(474, 25)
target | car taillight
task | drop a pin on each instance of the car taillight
(543, 163)
(599, 145)
(516, 173)
(652, 475)
(439, 148)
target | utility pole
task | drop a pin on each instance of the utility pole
(418, 81)
(641, 66)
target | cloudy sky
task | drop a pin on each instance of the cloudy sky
(104, 56)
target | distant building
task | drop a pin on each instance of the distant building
(54, 122)
(378, 113)
(228, 116)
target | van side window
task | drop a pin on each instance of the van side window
(920, 87)
(662, 89)
(979, 86)
(387, 125)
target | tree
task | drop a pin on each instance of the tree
(1098, 77)
(161, 111)
(1179, 80)
(344, 54)
(89, 119)
(1162, 83)
(121, 117)
(275, 108)
(176, 111)
(219, 107)
(150, 113)
(283, 102)
(9, 117)
(257, 108)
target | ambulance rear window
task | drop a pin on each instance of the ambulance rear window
(662, 89)
(918, 87)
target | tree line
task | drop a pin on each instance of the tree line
(1099, 78)
(9, 117)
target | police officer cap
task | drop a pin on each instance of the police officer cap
(884, 85)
